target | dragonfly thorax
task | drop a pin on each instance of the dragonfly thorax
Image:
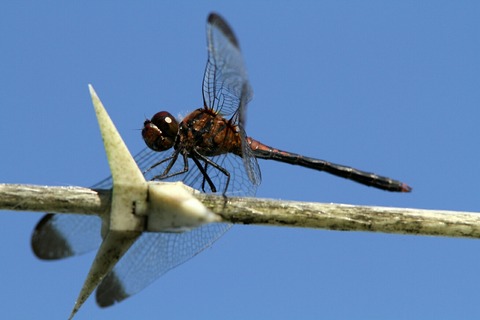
(208, 134)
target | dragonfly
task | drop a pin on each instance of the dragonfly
(210, 151)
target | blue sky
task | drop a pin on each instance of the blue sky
(388, 87)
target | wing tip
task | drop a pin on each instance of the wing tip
(217, 20)
(44, 235)
(110, 291)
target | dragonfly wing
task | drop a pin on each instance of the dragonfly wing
(58, 236)
(225, 73)
(62, 236)
(249, 160)
(152, 255)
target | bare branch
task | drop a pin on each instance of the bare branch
(261, 211)
(21, 197)
(343, 217)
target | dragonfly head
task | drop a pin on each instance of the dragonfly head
(159, 133)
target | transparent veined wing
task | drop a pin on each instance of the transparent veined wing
(59, 236)
(151, 256)
(225, 73)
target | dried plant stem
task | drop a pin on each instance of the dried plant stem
(261, 211)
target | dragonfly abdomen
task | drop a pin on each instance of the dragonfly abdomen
(263, 151)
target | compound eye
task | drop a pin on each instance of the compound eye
(167, 124)
(159, 133)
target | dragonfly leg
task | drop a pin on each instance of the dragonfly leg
(218, 167)
(203, 180)
(166, 174)
(175, 155)
(205, 175)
